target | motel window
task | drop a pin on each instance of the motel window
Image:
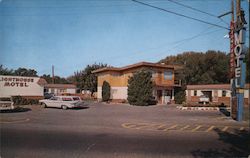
(62, 90)
(154, 74)
(168, 75)
(195, 93)
(224, 93)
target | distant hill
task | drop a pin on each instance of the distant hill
(209, 67)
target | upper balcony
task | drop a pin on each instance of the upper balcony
(177, 83)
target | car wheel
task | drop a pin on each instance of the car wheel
(64, 107)
(44, 105)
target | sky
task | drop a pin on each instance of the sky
(70, 34)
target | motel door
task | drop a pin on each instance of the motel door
(159, 96)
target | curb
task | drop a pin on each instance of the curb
(203, 108)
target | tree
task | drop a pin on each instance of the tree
(5, 71)
(140, 88)
(25, 72)
(18, 72)
(57, 79)
(180, 96)
(85, 79)
(105, 91)
(210, 67)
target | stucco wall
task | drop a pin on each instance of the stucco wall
(71, 90)
(116, 93)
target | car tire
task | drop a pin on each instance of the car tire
(64, 107)
(44, 105)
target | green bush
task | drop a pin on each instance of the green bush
(19, 100)
(180, 97)
(105, 91)
(140, 88)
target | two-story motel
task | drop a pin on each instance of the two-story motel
(163, 77)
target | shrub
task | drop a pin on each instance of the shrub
(180, 97)
(105, 91)
(140, 88)
(19, 100)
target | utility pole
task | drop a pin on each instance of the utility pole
(233, 99)
(53, 77)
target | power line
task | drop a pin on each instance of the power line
(198, 10)
(178, 14)
(175, 44)
(78, 13)
(193, 8)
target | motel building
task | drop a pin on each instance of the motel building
(59, 89)
(31, 87)
(217, 93)
(162, 75)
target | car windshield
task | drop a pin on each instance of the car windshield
(76, 98)
(54, 98)
(66, 99)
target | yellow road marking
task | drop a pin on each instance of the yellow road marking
(195, 129)
(210, 128)
(185, 127)
(225, 128)
(163, 127)
(242, 128)
(170, 128)
(160, 126)
(128, 125)
(142, 125)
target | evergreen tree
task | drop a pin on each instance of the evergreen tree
(140, 88)
(105, 91)
(85, 79)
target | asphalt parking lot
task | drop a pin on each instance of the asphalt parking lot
(116, 130)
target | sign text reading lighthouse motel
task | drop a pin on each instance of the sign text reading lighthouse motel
(16, 82)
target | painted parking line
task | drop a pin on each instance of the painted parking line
(183, 128)
(162, 127)
(225, 128)
(15, 121)
(196, 128)
(210, 128)
(171, 127)
(242, 128)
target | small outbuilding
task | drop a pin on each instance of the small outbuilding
(216, 93)
(59, 89)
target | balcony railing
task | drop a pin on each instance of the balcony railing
(177, 83)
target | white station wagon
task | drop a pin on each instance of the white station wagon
(63, 102)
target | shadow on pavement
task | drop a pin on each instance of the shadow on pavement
(80, 108)
(77, 108)
(238, 140)
(225, 111)
(18, 109)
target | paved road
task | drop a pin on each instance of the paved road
(122, 131)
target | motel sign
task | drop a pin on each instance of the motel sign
(239, 66)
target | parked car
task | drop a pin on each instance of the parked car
(63, 102)
(204, 99)
(6, 103)
(48, 95)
